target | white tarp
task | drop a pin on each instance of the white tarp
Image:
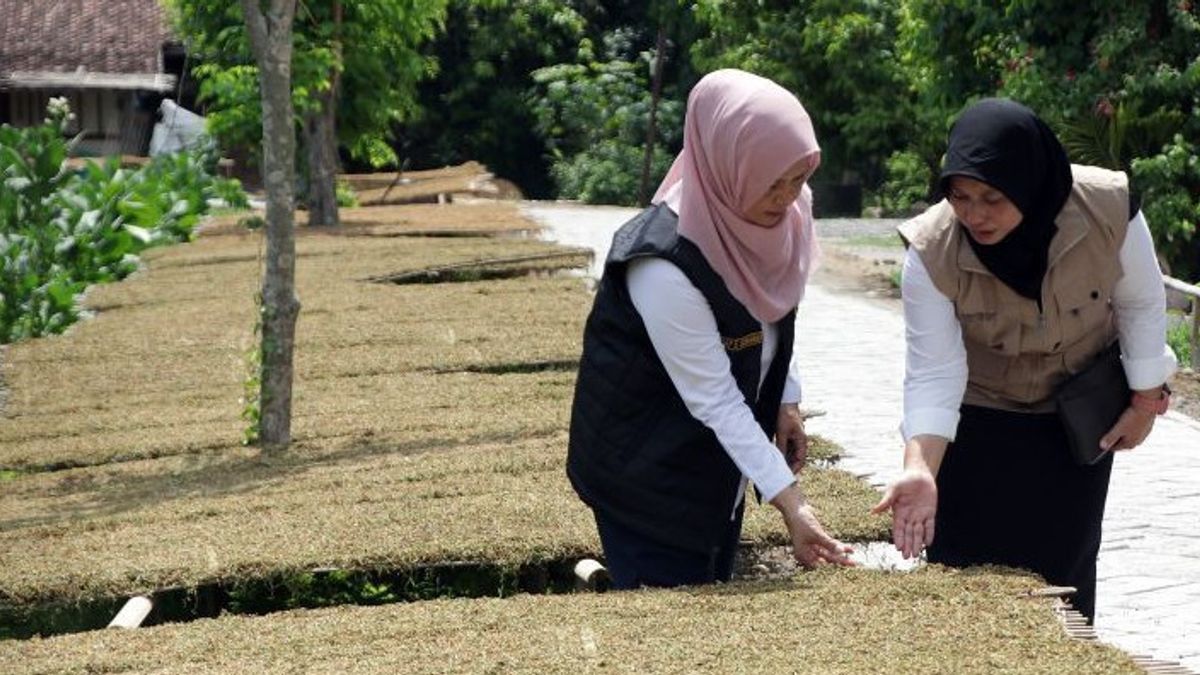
(178, 129)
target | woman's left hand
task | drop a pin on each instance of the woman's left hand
(1129, 431)
(790, 437)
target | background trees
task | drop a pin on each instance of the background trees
(555, 95)
(355, 70)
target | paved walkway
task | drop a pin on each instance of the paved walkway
(852, 354)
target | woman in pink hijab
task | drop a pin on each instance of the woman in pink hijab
(686, 388)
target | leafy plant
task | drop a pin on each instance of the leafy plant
(840, 59)
(62, 230)
(367, 48)
(346, 195)
(1179, 337)
(593, 119)
(1170, 186)
(906, 182)
(252, 385)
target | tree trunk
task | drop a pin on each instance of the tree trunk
(320, 136)
(320, 139)
(271, 40)
(651, 128)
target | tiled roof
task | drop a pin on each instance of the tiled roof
(101, 36)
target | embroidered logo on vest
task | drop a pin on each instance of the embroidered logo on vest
(737, 344)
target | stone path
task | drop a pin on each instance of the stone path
(851, 351)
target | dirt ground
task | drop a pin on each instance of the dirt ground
(865, 270)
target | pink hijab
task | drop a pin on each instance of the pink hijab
(740, 134)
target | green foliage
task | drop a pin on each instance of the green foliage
(946, 54)
(1179, 334)
(360, 587)
(1118, 81)
(252, 384)
(838, 57)
(346, 196)
(594, 120)
(372, 55)
(1170, 186)
(1121, 83)
(477, 108)
(61, 231)
(906, 182)
(608, 173)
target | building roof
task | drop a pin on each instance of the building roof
(121, 40)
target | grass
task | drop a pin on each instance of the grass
(848, 621)
(875, 241)
(429, 431)
(1179, 336)
(417, 409)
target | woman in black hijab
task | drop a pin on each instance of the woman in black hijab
(1028, 270)
(1006, 146)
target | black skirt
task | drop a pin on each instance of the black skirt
(1010, 494)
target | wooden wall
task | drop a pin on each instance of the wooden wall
(111, 118)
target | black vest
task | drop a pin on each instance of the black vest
(636, 454)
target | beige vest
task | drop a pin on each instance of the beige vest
(1016, 355)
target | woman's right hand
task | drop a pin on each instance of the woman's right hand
(912, 499)
(811, 545)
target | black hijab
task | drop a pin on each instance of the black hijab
(1004, 144)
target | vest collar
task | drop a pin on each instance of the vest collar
(967, 260)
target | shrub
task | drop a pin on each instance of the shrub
(594, 120)
(1179, 335)
(1170, 188)
(608, 173)
(61, 231)
(906, 182)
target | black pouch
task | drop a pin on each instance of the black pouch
(1090, 402)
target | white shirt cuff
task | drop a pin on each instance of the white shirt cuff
(775, 479)
(791, 391)
(935, 421)
(1148, 373)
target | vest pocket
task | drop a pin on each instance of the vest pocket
(1083, 309)
(993, 341)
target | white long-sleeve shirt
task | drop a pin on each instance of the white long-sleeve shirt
(936, 361)
(684, 333)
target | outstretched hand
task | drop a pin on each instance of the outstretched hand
(912, 498)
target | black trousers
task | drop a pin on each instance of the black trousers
(1009, 493)
(634, 560)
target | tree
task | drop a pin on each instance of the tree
(477, 106)
(594, 119)
(837, 56)
(1121, 90)
(270, 36)
(356, 65)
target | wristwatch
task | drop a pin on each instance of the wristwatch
(1149, 404)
